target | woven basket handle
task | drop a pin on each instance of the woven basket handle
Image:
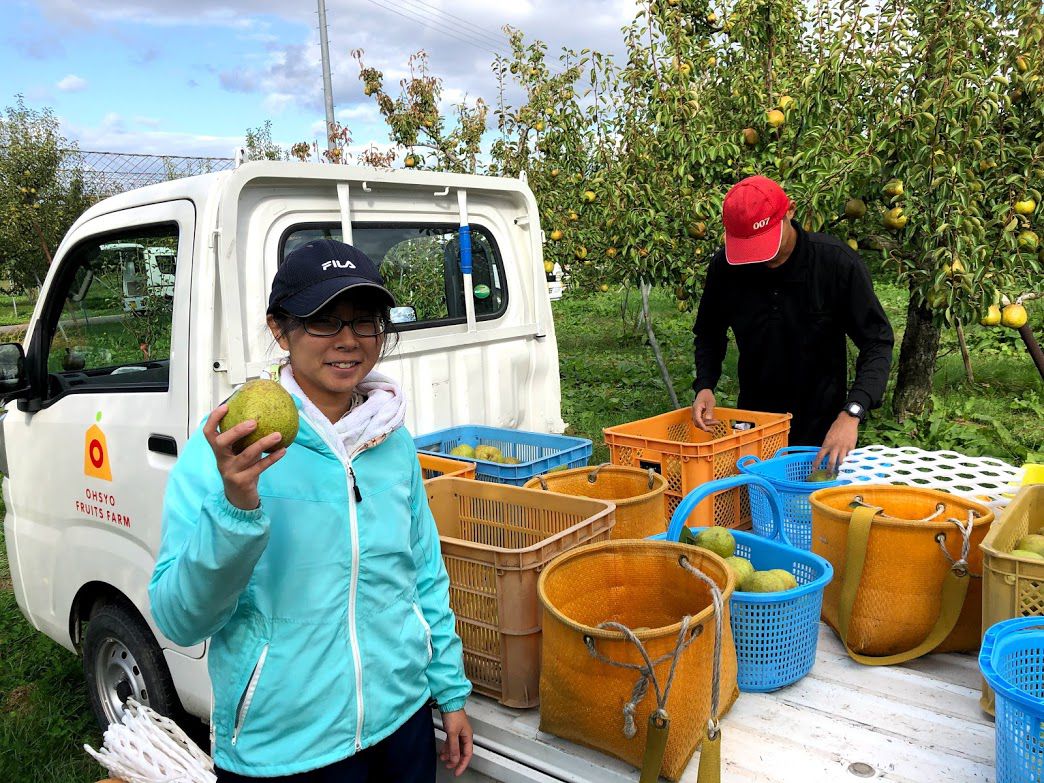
(954, 590)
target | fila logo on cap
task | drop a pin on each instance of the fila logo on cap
(761, 223)
(338, 265)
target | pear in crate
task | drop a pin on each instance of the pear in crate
(488, 453)
(1034, 542)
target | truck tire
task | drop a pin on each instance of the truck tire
(122, 660)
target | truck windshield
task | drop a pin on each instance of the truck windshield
(421, 267)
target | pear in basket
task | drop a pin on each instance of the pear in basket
(718, 540)
(463, 450)
(821, 474)
(763, 582)
(741, 567)
(787, 578)
(1034, 542)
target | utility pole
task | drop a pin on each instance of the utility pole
(324, 46)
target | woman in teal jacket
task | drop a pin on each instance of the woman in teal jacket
(315, 570)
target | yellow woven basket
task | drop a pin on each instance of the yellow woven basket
(643, 586)
(638, 495)
(903, 596)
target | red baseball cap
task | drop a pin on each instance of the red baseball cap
(752, 213)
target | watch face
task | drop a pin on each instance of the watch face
(855, 409)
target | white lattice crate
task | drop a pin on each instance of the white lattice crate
(985, 479)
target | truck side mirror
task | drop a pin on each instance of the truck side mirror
(403, 315)
(13, 378)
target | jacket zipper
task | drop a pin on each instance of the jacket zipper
(427, 628)
(248, 697)
(354, 496)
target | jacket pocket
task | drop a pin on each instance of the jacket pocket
(248, 695)
(427, 628)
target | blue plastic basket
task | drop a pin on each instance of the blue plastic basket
(776, 634)
(786, 472)
(1012, 661)
(536, 452)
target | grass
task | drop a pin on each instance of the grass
(45, 718)
(608, 377)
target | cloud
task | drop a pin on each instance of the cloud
(36, 47)
(72, 83)
(460, 42)
(113, 135)
(277, 102)
(148, 122)
(236, 15)
(146, 55)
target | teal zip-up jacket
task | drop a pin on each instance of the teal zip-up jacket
(328, 617)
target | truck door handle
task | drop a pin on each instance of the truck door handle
(163, 444)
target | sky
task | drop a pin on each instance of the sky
(189, 77)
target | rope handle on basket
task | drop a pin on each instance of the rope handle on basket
(940, 509)
(659, 720)
(954, 589)
(592, 477)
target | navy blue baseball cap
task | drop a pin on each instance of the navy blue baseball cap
(313, 275)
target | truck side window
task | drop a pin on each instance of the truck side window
(110, 313)
(421, 267)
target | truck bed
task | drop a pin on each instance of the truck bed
(915, 723)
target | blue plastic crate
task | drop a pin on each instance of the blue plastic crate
(536, 452)
(1012, 661)
(786, 472)
(776, 634)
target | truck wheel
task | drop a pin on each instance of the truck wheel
(121, 660)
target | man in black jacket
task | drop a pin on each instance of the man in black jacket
(790, 298)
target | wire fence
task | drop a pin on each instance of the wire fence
(106, 173)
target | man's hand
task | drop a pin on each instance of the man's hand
(456, 753)
(703, 410)
(840, 440)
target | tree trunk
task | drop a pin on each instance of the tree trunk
(913, 385)
(965, 356)
(1033, 347)
(655, 345)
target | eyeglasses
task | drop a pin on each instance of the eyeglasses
(330, 325)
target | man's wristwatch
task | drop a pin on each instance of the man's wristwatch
(856, 411)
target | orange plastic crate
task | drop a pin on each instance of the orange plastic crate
(496, 539)
(687, 457)
(436, 467)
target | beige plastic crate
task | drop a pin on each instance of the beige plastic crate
(1012, 586)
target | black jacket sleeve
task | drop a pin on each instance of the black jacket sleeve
(710, 330)
(868, 326)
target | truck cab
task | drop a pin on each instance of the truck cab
(153, 312)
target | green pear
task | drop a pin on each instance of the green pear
(267, 403)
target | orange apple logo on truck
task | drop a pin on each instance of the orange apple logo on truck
(96, 452)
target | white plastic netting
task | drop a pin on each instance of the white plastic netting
(990, 481)
(149, 748)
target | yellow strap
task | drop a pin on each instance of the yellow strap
(954, 590)
(710, 760)
(655, 746)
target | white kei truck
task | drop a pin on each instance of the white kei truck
(99, 403)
